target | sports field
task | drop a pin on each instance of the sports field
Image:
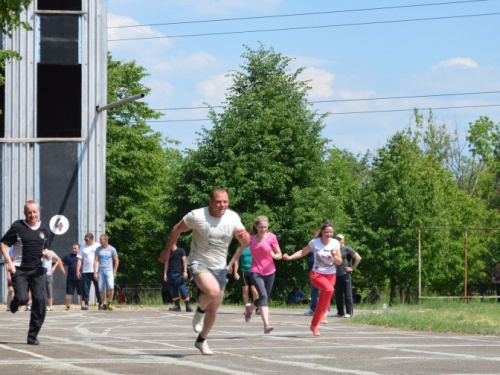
(151, 341)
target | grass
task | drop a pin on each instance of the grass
(451, 316)
(475, 317)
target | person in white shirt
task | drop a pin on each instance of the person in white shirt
(86, 256)
(326, 252)
(213, 228)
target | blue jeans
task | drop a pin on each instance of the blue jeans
(176, 284)
(314, 297)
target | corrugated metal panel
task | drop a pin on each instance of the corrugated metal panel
(94, 78)
(20, 158)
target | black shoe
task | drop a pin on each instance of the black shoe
(175, 308)
(32, 341)
(188, 308)
(13, 307)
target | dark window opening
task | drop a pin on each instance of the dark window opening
(59, 4)
(59, 37)
(59, 101)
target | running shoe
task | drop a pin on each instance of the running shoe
(323, 320)
(49, 308)
(248, 313)
(203, 347)
(110, 306)
(268, 328)
(309, 313)
(315, 331)
(198, 320)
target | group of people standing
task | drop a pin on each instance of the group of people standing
(213, 228)
(31, 265)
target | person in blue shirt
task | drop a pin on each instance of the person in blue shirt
(297, 296)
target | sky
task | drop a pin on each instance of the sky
(369, 62)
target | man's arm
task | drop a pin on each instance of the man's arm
(57, 264)
(5, 252)
(116, 262)
(78, 267)
(184, 268)
(357, 259)
(234, 259)
(178, 228)
(96, 264)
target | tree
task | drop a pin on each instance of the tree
(266, 149)
(10, 19)
(141, 171)
(410, 188)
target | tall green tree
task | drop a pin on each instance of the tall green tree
(10, 19)
(410, 188)
(266, 148)
(141, 172)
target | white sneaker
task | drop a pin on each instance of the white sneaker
(309, 313)
(49, 308)
(347, 316)
(198, 320)
(203, 347)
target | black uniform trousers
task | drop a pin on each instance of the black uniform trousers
(34, 280)
(343, 293)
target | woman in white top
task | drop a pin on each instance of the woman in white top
(326, 252)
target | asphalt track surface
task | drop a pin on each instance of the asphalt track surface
(151, 341)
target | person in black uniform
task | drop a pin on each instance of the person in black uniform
(28, 238)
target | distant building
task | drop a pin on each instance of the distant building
(52, 140)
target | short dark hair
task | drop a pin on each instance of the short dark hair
(217, 189)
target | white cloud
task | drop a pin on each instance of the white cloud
(116, 31)
(192, 64)
(459, 61)
(213, 90)
(321, 82)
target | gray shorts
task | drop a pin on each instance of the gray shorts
(49, 282)
(220, 275)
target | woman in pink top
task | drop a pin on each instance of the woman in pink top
(265, 249)
(326, 252)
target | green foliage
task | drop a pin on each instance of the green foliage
(266, 149)
(10, 19)
(10, 15)
(140, 173)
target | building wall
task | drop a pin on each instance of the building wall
(62, 168)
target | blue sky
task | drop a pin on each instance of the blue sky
(407, 49)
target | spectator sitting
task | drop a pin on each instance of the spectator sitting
(120, 296)
(297, 296)
(135, 296)
(372, 296)
(356, 297)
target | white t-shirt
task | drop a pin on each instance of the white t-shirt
(87, 255)
(323, 258)
(47, 263)
(211, 236)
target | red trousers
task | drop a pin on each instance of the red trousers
(325, 285)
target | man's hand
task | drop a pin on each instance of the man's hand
(164, 255)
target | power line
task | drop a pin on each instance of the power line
(297, 14)
(359, 112)
(352, 100)
(310, 27)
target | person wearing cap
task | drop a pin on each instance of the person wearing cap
(343, 284)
